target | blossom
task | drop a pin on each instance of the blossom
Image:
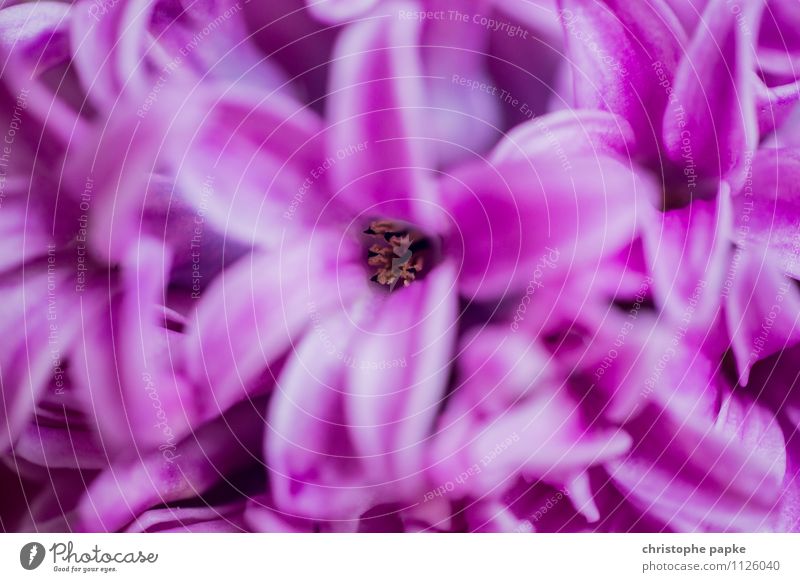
(398, 265)
(663, 93)
(368, 269)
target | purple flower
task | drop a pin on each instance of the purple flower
(399, 265)
(737, 481)
(662, 87)
(366, 261)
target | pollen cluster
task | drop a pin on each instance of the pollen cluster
(394, 257)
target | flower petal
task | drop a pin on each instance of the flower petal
(509, 217)
(34, 304)
(108, 46)
(337, 11)
(512, 416)
(399, 374)
(377, 106)
(251, 162)
(567, 134)
(689, 257)
(36, 33)
(127, 489)
(762, 311)
(714, 125)
(766, 207)
(256, 309)
(716, 470)
(618, 50)
(315, 471)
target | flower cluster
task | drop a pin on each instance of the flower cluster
(400, 265)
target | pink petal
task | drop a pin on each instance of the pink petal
(36, 33)
(108, 46)
(315, 471)
(697, 470)
(400, 369)
(689, 258)
(572, 133)
(256, 309)
(126, 490)
(508, 218)
(250, 162)
(510, 417)
(762, 310)
(766, 207)
(376, 106)
(39, 314)
(617, 49)
(717, 124)
(337, 11)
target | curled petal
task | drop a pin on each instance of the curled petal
(377, 106)
(762, 311)
(512, 217)
(689, 258)
(713, 83)
(126, 490)
(512, 417)
(721, 469)
(250, 163)
(623, 55)
(316, 472)
(400, 358)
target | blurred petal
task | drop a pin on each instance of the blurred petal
(766, 207)
(125, 491)
(689, 257)
(718, 471)
(516, 216)
(512, 417)
(377, 106)
(762, 312)
(315, 470)
(254, 312)
(400, 373)
(713, 84)
(250, 163)
(336, 11)
(616, 49)
(566, 135)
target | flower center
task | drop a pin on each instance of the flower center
(397, 253)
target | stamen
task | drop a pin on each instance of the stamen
(397, 257)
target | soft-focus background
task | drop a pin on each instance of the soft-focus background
(399, 265)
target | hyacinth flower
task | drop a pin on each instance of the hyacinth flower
(116, 295)
(706, 457)
(721, 228)
(400, 312)
(367, 257)
(704, 150)
(72, 260)
(531, 421)
(697, 453)
(62, 428)
(724, 467)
